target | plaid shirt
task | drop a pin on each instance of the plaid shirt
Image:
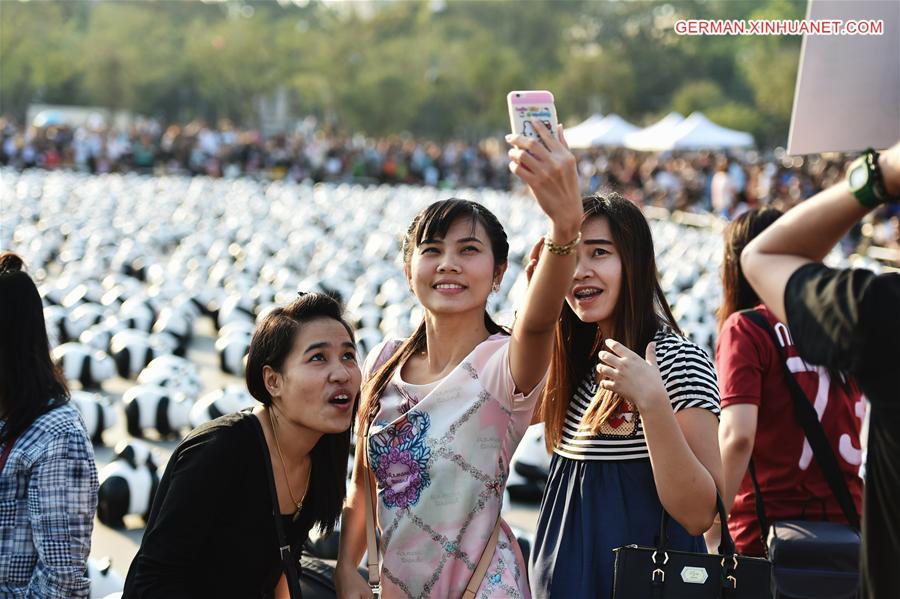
(48, 496)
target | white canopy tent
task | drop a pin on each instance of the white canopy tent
(577, 133)
(694, 133)
(648, 138)
(699, 133)
(609, 131)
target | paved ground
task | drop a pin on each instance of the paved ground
(120, 546)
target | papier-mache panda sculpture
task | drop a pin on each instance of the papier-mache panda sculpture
(229, 400)
(84, 364)
(179, 324)
(164, 410)
(232, 348)
(137, 313)
(530, 466)
(133, 350)
(127, 486)
(96, 412)
(173, 372)
(83, 316)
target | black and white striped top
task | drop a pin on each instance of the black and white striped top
(690, 380)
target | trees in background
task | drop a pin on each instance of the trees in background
(434, 68)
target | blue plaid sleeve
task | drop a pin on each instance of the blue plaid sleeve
(62, 500)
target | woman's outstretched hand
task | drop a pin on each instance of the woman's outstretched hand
(549, 170)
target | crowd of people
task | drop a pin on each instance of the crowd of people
(631, 412)
(706, 182)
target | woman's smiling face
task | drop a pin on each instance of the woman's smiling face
(454, 274)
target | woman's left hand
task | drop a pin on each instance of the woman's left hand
(635, 378)
(549, 170)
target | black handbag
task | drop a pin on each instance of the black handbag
(658, 573)
(810, 559)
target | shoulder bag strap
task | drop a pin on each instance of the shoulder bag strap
(483, 564)
(760, 508)
(284, 548)
(815, 434)
(372, 549)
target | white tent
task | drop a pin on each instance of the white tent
(578, 133)
(649, 137)
(609, 131)
(699, 133)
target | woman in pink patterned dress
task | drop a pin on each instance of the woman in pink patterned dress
(444, 410)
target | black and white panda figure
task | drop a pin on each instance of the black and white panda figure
(235, 307)
(229, 400)
(133, 351)
(136, 453)
(99, 335)
(84, 364)
(178, 324)
(82, 317)
(232, 349)
(530, 466)
(96, 411)
(150, 407)
(173, 372)
(125, 490)
(104, 580)
(137, 313)
(55, 321)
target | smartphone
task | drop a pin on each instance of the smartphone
(532, 104)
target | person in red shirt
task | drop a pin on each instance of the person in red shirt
(757, 410)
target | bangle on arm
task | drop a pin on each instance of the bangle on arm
(562, 249)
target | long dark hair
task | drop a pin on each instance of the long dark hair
(270, 346)
(640, 311)
(30, 384)
(433, 223)
(737, 294)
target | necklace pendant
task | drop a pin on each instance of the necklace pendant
(299, 505)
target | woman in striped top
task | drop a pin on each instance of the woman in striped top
(630, 410)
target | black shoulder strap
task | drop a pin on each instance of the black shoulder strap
(809, 421)
(284, 548)
(760, 508)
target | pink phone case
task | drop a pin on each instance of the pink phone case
(531, 104)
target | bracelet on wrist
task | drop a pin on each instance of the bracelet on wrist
(562, 249)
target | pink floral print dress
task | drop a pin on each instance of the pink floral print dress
(440, 454)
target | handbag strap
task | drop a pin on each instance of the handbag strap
(808, 420)
(760, 508)
(284, 547)
(726, 543)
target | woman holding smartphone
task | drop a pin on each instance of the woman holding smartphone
(630, 410)
(444, 410)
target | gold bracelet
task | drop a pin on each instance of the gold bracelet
(562, 249)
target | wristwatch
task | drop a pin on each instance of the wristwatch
(866, 181)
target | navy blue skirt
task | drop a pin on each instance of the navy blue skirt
(590, 508)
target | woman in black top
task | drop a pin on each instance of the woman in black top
(211, 532)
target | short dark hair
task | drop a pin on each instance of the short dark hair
(272, 342)
(30, 384)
